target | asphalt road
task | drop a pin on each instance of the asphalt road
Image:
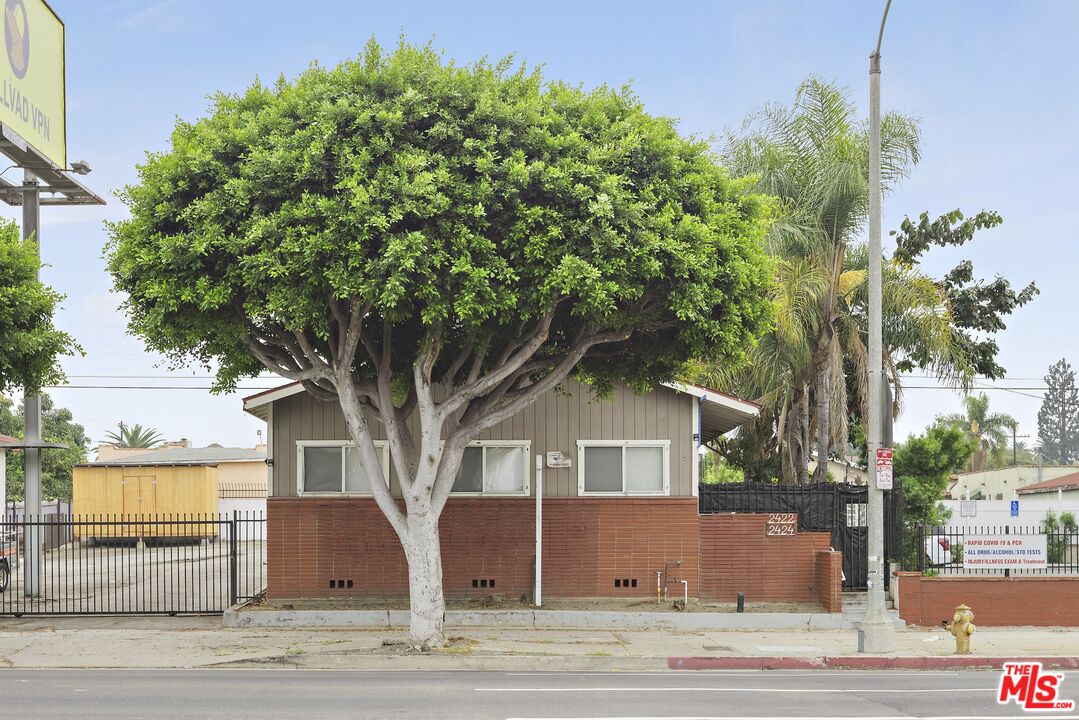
(273, 694)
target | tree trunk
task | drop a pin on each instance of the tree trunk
(824, 414)
(427, 602)
(803, 440)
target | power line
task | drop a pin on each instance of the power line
(151, 387)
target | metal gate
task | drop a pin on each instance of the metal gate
(124, 565)
(837, 508)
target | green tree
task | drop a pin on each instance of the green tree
(412, 237)
(57, 425)
(1058, 417)
(978, 308)
(30, 344)
(808, 370)
(134, 436)
(991, 432)
(923, 464)
(1061, 533)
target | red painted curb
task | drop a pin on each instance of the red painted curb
(860, 662)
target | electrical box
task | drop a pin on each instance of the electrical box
(558, 459)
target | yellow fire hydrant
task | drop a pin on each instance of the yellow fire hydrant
(962, 627)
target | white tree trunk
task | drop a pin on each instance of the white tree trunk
(428, 605)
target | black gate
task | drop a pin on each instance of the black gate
(109, 565)
(836, 508)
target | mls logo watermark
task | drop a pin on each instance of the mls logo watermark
(1030, 688)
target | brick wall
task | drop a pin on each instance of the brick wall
(1032, 600)
(738, 556)
(829, 580)
(588, 543)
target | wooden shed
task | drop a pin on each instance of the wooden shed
(165, 500)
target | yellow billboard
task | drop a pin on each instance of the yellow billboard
(32, 75)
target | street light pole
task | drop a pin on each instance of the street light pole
(876, 633)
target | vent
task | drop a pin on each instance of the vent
(340, 584)
(625, 582)
(483, 582)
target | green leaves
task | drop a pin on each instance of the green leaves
(465, 200)
(30, 345)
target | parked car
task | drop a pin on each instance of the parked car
(9, 559)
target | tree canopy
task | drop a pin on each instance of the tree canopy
(133, 436)
(30, 344)
(410, 236)
(1058, 417)
(57, 425)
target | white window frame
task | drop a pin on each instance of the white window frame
(380, 445)
(582, 449)
(525, 444)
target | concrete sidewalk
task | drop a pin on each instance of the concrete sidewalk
(131, 642)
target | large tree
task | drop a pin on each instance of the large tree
(30, 344)
(978, 308)
(1058, 417)
(133, 436)
(415, 238)
(990, 431)
(57, 425)
(814, 157)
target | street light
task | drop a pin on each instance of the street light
(876, 633)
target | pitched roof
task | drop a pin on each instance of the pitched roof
(721, 412)
(188, 456)
(1064, 482)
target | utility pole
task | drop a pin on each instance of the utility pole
(876, 633)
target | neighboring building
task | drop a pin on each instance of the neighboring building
(1065, 487)
(1002, 484)
(107, 452)
(619, 505)
(839, 471)
(172, 480)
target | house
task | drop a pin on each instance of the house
(1065, 487)
(619, 504)
(1002, 484)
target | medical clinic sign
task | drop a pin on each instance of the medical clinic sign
(32, 107)
(1005, 552)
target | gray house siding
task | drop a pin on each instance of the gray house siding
(554, 422)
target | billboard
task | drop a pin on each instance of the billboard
(32, 79)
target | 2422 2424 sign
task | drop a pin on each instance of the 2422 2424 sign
(782, 524)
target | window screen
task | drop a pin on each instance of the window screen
(603, 469)
(470, 477)
(644, 469)
(322, 469)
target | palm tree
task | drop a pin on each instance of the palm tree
(135, 436)
(813, 159)
(991, 431)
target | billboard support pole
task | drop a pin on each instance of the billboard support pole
(31, 225)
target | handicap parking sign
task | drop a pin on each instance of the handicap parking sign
(1015, 508)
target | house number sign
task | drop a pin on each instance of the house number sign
(782, 524)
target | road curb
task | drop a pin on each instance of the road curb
(859, 662)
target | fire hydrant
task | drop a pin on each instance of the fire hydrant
(962, 627)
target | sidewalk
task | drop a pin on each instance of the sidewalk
(128, 642)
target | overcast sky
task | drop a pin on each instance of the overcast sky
(994, 85)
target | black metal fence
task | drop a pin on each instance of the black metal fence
(840, 509)
(943, 551)
(113, 565)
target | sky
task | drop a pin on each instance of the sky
(993, 85)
